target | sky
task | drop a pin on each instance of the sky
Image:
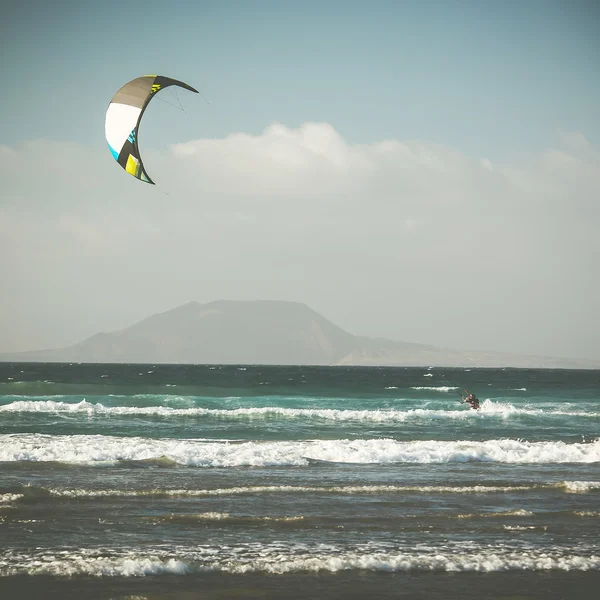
(421, 171)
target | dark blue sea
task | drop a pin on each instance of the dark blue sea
(205, 481)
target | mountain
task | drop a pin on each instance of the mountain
(266, 332)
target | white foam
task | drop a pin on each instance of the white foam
(577, 487)
(199, 453)
(486, 562)
(206, 516)
(520, 512)
(441, 388)
(278, 558)
(99, 567)
(90, 409)
(488, 408)
(8, 498)
(294, 489)
(218, 516)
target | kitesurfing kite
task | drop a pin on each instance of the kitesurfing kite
(123, 118)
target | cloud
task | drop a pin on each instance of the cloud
(402, 238)
(313, 160)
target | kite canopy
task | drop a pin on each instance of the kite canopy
(123, 118)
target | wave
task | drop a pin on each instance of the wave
(489, 408)
(29, 492)
(577, 487)
(441, 388)
(279, 558)
(95, 449)
(10, 498)
(519, 512)
(219, 516)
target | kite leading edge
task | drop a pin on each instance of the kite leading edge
(123, 118)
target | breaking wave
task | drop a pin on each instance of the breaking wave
(93, 449)
(278, 558)
(384, 415)
(29, 491)
(441, 388)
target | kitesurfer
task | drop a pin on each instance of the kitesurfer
(473, 401)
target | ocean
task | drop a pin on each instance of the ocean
(204, 481)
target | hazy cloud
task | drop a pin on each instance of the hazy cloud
(404, 239)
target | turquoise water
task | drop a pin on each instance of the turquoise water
(115, 477)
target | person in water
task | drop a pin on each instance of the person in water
(473, 401)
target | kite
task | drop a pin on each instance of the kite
(123, 118)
